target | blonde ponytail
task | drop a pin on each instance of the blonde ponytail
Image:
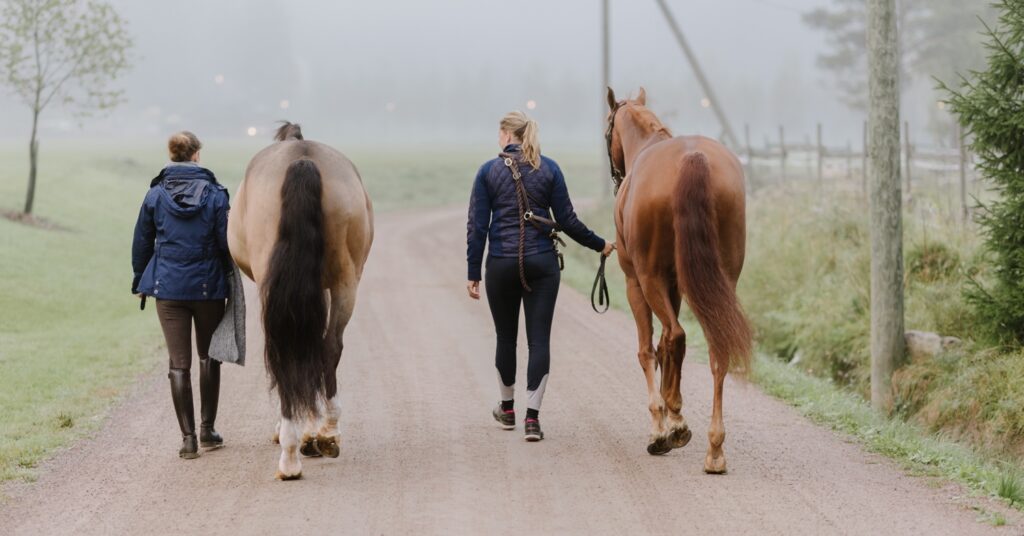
(524, 128)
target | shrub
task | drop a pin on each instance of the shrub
(990, 106)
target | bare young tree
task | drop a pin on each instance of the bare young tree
(887, 345)
(63, 51)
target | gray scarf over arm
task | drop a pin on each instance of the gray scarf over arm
(228, 343)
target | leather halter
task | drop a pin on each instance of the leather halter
(617, 174)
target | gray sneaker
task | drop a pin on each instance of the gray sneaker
(507, 419)
(533, 432)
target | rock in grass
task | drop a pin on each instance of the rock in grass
(922, 345)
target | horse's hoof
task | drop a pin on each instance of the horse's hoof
(284, 478)
(714, 465)
(309, 448)
(276, 439)
(328, 446)
(680, 437)
(659, 446)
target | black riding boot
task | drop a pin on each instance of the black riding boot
(209, 392)
(181, 393)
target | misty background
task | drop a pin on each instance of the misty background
(408, 73)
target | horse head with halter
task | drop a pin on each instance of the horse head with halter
(617, 174)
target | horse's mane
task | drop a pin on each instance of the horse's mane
(288, 131)
(646, 118)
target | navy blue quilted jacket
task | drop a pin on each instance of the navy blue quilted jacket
(494, 214)
(180, 250)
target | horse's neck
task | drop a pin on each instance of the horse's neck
(638, 139)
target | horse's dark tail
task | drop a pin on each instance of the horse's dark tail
(294, 306)
(699, 269)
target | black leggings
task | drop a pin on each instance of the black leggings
(504, 295)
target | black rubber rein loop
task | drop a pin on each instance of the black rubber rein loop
(600, 290)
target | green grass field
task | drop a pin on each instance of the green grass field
(72, 338)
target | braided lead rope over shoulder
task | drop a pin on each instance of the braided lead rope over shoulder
(517, 180)
(600, 290)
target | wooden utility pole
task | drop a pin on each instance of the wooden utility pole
(821, 158)
(887, 343)
(728, 136)
(606, 80)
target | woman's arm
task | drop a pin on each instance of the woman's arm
(565, 215)
(223, 206)
(478, 224)
(142, 245)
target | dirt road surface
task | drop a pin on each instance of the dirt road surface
(421, 454)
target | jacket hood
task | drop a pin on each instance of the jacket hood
(186, 195)
(185, 187)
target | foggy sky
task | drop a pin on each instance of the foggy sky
(417, 72)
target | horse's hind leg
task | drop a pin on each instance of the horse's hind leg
(308, 446)
(673, 348)
(672, 431)
(645, 330)
(289, 467)
(678, 431)
(329, 437)
(714, 463)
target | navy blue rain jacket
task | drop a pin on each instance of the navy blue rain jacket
(494, 213)
(180, 251)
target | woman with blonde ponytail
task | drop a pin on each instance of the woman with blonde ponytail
(518, 200)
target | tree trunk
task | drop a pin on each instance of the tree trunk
(33, 160)
(887, 343)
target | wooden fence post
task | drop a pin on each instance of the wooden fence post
(750, 151)
(864, 163)
(821, 157)
(907, 155)
(961, 144)
(782, 152)
(849, 161)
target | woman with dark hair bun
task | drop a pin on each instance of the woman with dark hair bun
(180, 257)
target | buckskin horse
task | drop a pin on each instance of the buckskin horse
(681, 232)
(301, 228)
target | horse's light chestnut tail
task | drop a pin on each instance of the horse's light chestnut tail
(293, 290)
(708, 291)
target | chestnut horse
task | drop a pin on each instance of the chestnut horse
(301, 228)
(681, 231)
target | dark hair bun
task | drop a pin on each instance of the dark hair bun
(183, 146)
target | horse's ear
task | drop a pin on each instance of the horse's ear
(641, 97)
(611, 99)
